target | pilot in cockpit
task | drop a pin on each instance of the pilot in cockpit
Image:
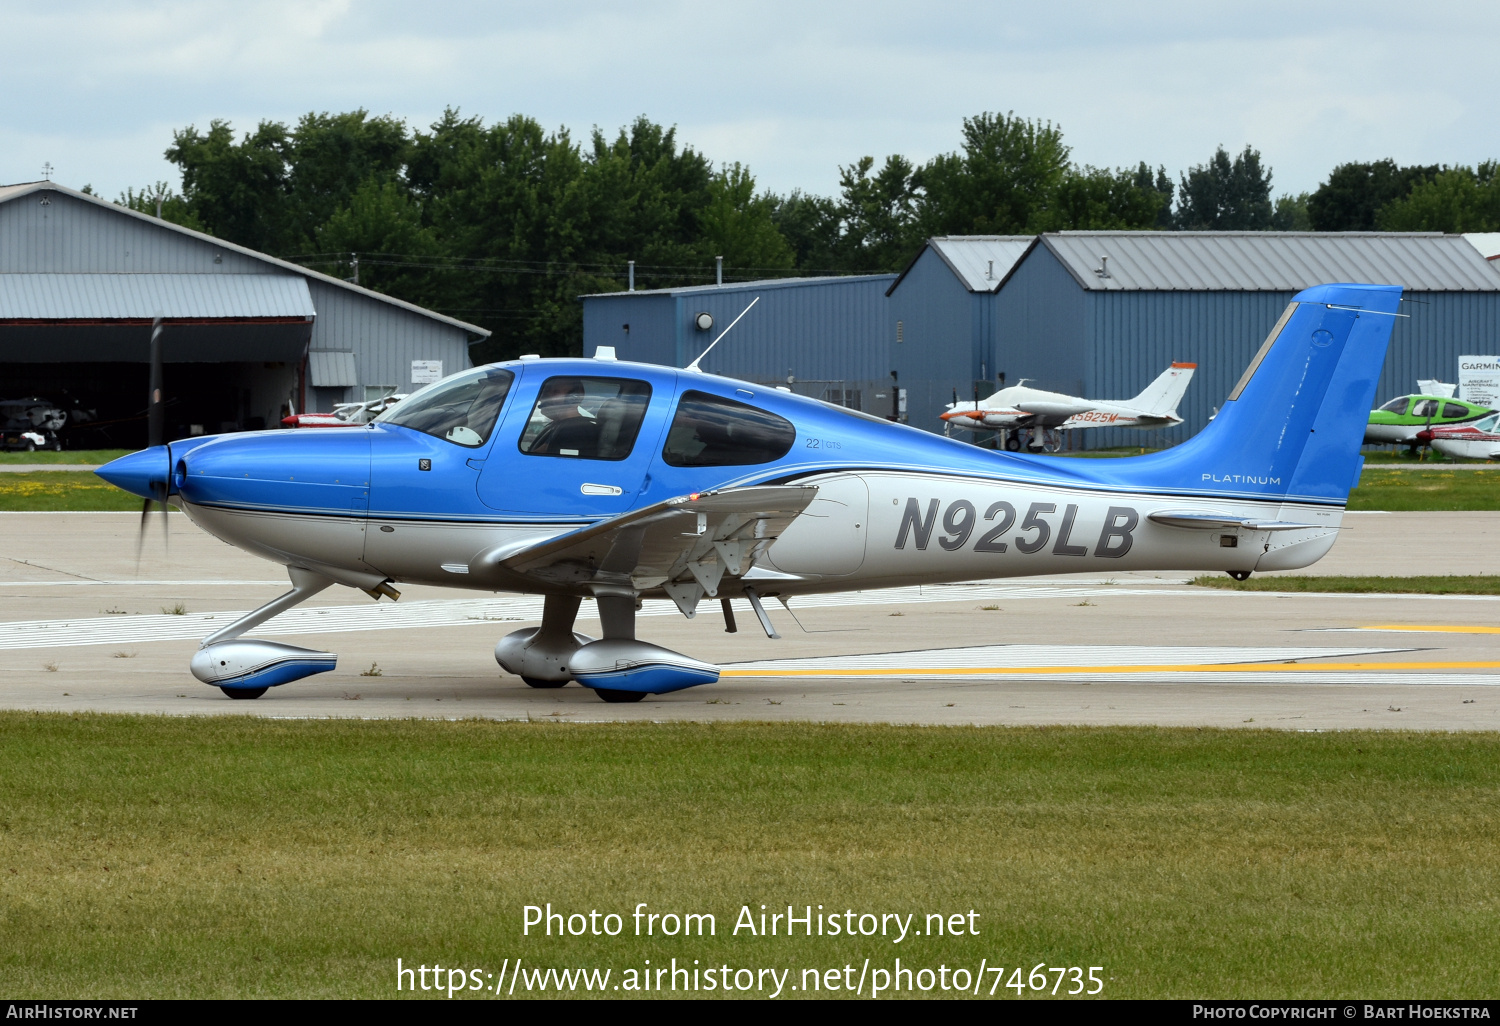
(571, 430)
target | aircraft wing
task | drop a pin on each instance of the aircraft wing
(1046, 408)
(684, 545)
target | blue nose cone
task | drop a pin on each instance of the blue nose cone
(142, 473)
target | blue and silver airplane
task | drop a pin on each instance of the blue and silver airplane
(599, 479)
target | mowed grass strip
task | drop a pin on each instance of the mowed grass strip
(1433, 585)
(62, 491)
(66, 456)
(228, 856)
(1429, 489)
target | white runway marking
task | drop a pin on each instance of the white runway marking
(118, 630)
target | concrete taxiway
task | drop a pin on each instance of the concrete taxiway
(82, 628)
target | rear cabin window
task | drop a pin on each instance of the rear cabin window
(462, 409)
(709, 431)
(1452, 411)
(586, 418)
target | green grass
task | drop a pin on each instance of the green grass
(215, 857)
(1444, 585)
(96, 456)
(62, 490)
(1434, 489)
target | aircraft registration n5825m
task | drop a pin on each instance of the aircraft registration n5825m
(593, 478)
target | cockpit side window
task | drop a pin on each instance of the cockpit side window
(709, 431)
(1424, 408)
(463, 409)
(1397, 405)
(586, 418)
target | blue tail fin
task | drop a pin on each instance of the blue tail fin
(1292, 427)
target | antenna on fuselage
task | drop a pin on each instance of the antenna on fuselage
(694, 365)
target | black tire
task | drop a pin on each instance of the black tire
(244, 692)
(30, 447)
(615, 695)
(1012, 443)
(57, 447)
(537, 682)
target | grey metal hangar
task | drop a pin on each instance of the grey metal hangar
(248, 337)
(1095, 314)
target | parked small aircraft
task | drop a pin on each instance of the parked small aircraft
(1470, 440)
(597, 479)
(1404, 418)
(1020, 411)
(30, 424)
(345, 414)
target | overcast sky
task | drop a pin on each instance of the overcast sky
(792, 89)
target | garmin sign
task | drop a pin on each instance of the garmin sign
(1479, 380)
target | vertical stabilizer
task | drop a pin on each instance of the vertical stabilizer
(1160, 398)
(1292, 427)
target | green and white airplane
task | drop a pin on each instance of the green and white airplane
(1400, 421)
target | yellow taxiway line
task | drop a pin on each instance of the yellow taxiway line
(1012, 671)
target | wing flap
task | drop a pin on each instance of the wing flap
(685, 545)
(1209, 520)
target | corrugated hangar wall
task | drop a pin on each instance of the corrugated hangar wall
(93, 265)
(827, 333)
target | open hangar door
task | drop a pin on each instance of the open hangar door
(233, 352)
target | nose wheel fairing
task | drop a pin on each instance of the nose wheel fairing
(250, 664)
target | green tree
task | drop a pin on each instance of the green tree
(739, 224)
(1162, 186)
(1225, 195)
(160, 201)
(1291, 213)
(811, 227)
(236, 190)
(397, 254)
(1008, 165)
(1354, 193)
(330, 157)
(1097, 199)
(1459, 199)
(877, 216)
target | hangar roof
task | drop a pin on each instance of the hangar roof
(740, 286)
(38, 297)
(1269, 261)
(980, 262)
(12, 192)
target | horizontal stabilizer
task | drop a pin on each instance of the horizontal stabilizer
(1208, 521)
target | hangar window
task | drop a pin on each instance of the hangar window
(586, 418)
(462, 409)
(708, 431)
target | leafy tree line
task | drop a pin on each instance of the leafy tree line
(506, 224)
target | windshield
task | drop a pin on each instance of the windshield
(1397, 405)
(1487, 425)
(462, 410)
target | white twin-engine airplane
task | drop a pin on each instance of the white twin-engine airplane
(616, 482)
(1042, 414)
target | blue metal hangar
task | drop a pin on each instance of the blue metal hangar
(1100, 314)
(823, 337)
(247, 336)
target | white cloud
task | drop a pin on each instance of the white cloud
(792, 89)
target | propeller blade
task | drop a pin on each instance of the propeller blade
(155, 432)
(153, 402)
